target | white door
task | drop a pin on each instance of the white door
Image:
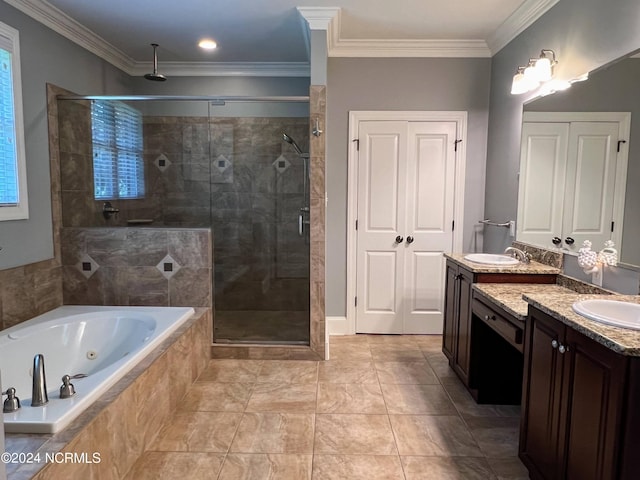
(405, 213)
(590, 185)
(543, 157)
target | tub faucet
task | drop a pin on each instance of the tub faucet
(39, 395)
(519, 254)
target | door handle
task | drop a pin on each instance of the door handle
(569, 241)
(410, 239)
(556, 240)
(399, 239)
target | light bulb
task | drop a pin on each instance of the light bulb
(543, 69)
(207, 44)
(519, 84)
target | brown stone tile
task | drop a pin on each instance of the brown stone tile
(347, 371)
(417, 399)
(350, 352)
(231, 371)
(467, 406)
(197, 431)
(274, 433)
(429, 343)
(190, 248)
(348, 339)
(217, 397)
(288, 371)
(145, 286)
(396, 353)
(369, 467)
(146, 247)
(171, 465)
(440, 365)
(283, 397)
(354, 434)
(258, 466)
(419, 372)
(152, 403)
(391, 340)
(510, 468)
(496, 436)
(191, 287)
(350, 398)
(433, 435)
(438, 468)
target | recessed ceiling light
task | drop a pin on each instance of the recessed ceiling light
(207, 44)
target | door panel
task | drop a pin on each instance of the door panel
(542, 182)
(589, 199)
(406, 173)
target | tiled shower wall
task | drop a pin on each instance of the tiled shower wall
(233, 175)
(137, 266)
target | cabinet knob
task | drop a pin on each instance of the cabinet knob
(556, 240)
(563, 349)
(554, 344)
(399, 239)
(489, 317)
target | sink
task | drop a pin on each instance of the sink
(611, 312)
(492, 259)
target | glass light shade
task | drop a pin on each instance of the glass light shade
(531, 77)
(519, 84)
(207, 44)
(543, 69)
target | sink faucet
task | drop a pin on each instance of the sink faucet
(39, 395)
(519, 254)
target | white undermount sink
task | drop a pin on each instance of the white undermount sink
(611, 312)
(492, 259)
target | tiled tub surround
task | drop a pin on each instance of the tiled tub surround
(125, 421)
(137, 266)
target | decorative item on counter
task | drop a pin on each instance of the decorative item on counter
(592, 262)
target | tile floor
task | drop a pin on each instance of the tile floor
(383, 407)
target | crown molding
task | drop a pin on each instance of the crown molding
(222, 69)
(408, 48)
(518, 21)
(319, 18)
(69, 28)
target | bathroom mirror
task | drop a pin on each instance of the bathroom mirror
(612, 88)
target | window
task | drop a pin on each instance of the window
(13, 176)
(118, 169)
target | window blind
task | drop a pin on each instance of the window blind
(8, 153)
(118, 169)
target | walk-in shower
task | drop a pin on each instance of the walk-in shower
(219, 163)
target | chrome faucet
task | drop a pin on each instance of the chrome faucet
(108, 209)
(519, 254)
(39, 395)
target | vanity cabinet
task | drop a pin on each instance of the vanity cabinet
(578, 419)
(456, 338)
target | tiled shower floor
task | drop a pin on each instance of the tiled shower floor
(247, 326)
(383, 407)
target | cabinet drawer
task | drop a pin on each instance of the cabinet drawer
(511, 332)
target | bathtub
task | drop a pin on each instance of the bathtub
(103, 343)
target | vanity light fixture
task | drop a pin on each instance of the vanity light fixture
(538, 71)
(207, 44)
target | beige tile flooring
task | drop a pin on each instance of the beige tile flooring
(383, 407)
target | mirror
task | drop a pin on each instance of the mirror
(613, 88)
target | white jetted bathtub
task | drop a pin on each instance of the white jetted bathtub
(103, 343)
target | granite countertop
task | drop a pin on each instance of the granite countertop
(558, 305)
(508, 296)
(529, 268)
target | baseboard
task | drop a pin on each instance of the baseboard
(337, 326)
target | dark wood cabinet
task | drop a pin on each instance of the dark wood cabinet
(457, 329)
(576, 406)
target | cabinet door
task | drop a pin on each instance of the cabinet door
(450, 312)
(465, 279)
(591, 414)
(541, 396)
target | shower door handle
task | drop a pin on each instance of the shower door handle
(300, 224)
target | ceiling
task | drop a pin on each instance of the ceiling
(274, 32)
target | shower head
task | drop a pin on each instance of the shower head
(293, 143)
(155, 76)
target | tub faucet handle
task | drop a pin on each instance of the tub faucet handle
(12, 403)
(67, 389)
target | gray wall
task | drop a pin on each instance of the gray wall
(585, 35)
(431, 84)
(612, 89)
(46, 57)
